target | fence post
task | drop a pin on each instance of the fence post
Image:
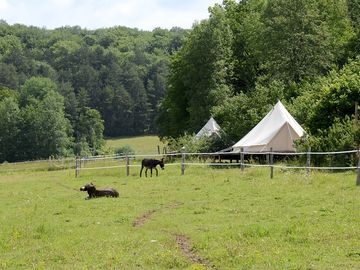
(308, 161)
(358, 151)
(77, 169)
(242, 158)
(271, 163)
(127, 165)
(183, 163)
(358, 169)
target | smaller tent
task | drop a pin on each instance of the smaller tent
(210, 128)
(277, 130)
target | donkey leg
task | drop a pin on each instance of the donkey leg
(142, 167)
(157, 174)
(151, 171)
(146, 172)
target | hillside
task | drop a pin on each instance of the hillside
(88, 83)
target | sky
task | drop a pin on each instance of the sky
(93, 14)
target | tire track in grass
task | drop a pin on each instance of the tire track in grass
(183, 242)
(140, 221)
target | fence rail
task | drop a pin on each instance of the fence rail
(50, 164)
(184, 160)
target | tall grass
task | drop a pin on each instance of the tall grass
(233, 219)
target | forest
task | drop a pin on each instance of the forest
(62, 90)
(247, 55)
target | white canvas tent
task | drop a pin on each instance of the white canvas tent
(209, 129)
(277, 130)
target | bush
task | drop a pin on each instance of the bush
(124, 150)
(341, 136)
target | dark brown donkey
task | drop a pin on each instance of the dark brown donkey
(151, 164)
(94, 193)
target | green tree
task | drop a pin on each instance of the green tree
(326, 110)
(90, 131)
(199, 76)
(301, 39)
(35, 89)
(353, 7)
(85, 64)
(70, 102)
(245, 23)
(8, 76)
(9, 129)
(134, 85)
(44, 129)
(117, 110)
(339, 91)
(354, 15)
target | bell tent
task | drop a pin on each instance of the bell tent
(277, 130)
(209, 129)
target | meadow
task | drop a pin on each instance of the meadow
(209, 218)
(205, 219)
(141, 144)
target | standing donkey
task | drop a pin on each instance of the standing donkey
(151, 164)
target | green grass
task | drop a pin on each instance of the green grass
(141, 144)
(235, 220)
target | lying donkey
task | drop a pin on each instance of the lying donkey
(151, 164)
(94, 193)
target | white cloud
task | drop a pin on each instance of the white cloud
(4, 5)
(61, 4)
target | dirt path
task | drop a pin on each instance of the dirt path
(184, 244)
(182, 240)
(140, 221)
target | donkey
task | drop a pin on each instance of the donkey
(151, 164)
(94, 193)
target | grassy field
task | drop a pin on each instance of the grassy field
(141, 144)
(206, 219)
(145, 145)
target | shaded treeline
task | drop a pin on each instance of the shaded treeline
(61, 89)
(248, 54)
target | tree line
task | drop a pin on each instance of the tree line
(248, 54)
(61, 90)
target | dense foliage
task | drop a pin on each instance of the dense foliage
(61, 90)
(248, 54)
